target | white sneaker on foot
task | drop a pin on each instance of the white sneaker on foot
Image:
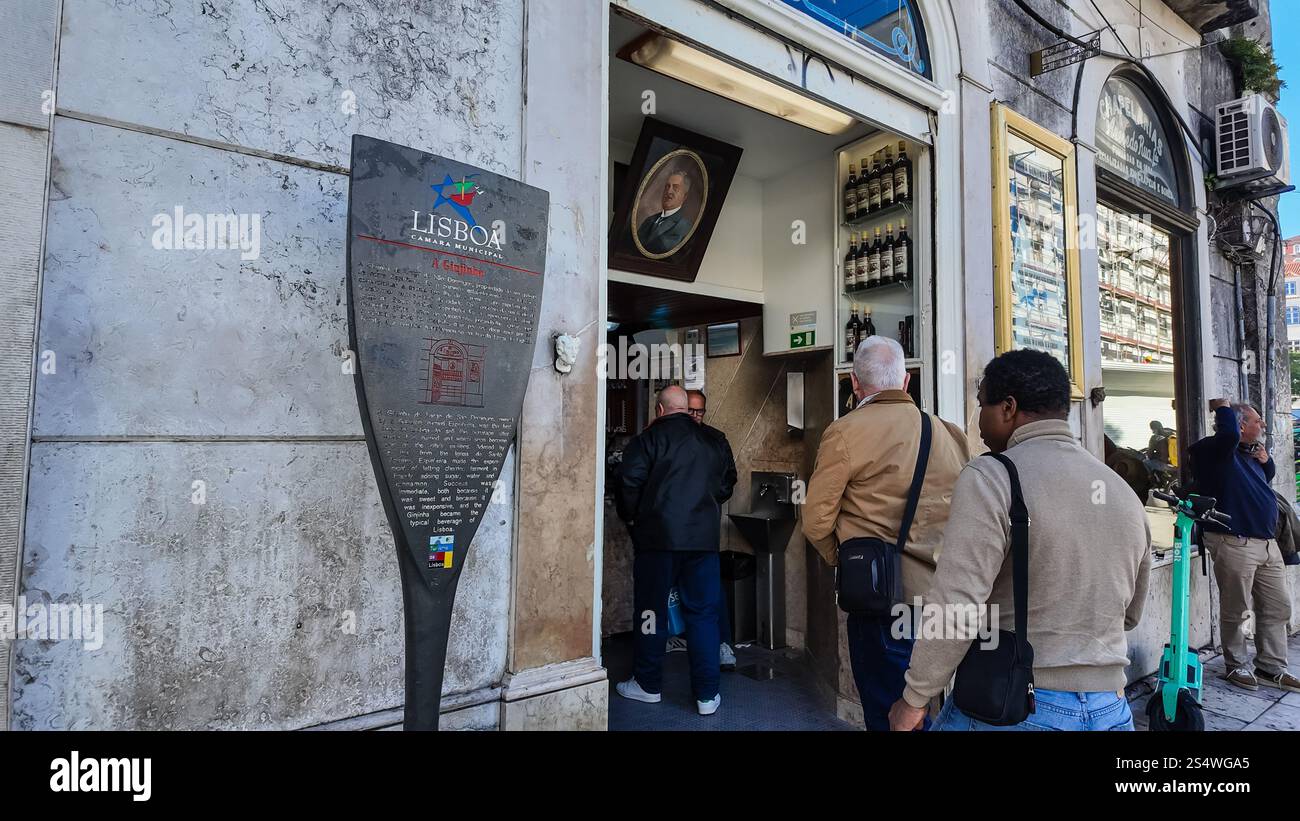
(631, 689)
(726, 657)
(708, 708)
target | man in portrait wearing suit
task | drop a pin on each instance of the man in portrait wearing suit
(660, 233)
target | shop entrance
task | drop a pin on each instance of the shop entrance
(754, 295)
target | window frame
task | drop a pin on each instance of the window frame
(1005, 123)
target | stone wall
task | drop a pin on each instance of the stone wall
(274, 603)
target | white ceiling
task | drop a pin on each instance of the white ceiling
(771, 145)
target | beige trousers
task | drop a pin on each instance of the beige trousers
(1252, 592)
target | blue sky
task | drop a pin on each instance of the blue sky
(1286, 44)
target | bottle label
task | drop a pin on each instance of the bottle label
(887, 266)
(873, 194)
(900, 264)
(873, 267)
(900, 183)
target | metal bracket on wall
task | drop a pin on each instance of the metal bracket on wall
(1097, 396)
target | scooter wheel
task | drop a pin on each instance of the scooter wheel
(1187, 714)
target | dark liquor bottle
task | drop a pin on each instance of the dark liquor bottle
(903, 254)
(873, 184)
(852, 330)
(902, 175)
(903, 340)
(868, 327)
(887, 257)
(873, 263)
(851, 264)
(863, 192)
(887, 180)
(851, 194)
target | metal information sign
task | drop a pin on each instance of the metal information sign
(444, 267)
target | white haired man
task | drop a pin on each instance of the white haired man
(859, 489)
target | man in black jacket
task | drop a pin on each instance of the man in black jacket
(673, 480)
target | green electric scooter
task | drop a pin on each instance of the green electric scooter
(1176, 702)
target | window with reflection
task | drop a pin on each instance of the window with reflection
(1139, 417)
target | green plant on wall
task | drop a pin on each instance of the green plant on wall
(1259, 72)
(1295, 373)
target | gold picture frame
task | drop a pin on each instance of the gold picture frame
(1009, 125)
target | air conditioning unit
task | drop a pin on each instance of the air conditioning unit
(1252, 143)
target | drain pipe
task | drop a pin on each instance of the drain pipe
(1270, 323)
(1241, 332)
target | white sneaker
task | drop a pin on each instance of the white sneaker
(631, 689)
(708, 708)
(676, 644)
(726, 657)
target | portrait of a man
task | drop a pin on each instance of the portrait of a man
(661, 232)
(668, 200)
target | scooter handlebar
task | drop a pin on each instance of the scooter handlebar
(1211, 513)
(1221, 518)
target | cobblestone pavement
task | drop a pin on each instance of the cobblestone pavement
(1228, 707)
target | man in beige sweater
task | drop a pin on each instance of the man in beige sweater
(1089, 559)
(859, 489)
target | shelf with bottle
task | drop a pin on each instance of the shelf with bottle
(898, 209)
(857, 290)
(868, 266)
(884, 187)
(894, 321)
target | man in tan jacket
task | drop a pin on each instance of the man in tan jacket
(859, 489)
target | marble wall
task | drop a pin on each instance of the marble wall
(273, 602)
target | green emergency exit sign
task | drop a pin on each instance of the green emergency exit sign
(803, 339)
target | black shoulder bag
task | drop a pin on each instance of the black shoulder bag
(869, 575)
(996, 685)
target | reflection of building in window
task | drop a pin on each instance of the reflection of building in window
(1039, 310)
(453, 374)
(1134, 279)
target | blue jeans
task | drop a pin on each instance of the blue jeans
(1053, 710)
(695, 573)
(879, 661)
(724, 616)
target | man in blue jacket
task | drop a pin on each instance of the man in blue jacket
(1234, 467)
(673, 481)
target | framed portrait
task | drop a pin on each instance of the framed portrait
(669, 201)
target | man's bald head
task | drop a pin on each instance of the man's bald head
(671, 399)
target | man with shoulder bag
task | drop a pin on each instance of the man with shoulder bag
(1049, 545)
(876, 505)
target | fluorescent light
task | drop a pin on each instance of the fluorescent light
(690, 65)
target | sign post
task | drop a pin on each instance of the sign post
(444, 272)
